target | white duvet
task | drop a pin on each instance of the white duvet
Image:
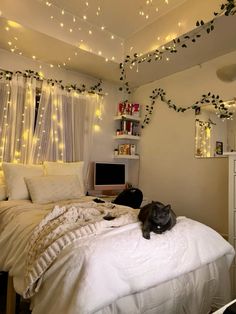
(103, 266)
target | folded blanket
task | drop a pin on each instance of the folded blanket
(61, 227)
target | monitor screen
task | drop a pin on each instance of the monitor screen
(109, 176)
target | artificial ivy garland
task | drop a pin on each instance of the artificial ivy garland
(222, 111)
(95, 89)
(228, 8)
(206, 124)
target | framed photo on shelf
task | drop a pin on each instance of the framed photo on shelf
(121, 149)
(124, 149)
(127, 149)
(219, 148)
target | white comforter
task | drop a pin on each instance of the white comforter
(102, 267)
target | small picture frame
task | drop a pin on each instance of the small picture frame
(126, 149)
(122, 149)
(219, 148)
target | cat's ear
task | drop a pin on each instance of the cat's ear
(168, 207)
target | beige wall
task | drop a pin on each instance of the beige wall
(169, 172)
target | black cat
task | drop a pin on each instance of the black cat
(156, 217)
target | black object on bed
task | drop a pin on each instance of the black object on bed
(131, 197)
(231, 309)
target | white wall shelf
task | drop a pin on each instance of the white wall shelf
(126, 156)
(127, 134)
(127, 117)
(127, 137)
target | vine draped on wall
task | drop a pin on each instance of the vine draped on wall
(58, 128)
(131, 62)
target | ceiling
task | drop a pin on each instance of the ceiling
(95, 45)
(119, 17)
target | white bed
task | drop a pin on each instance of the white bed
(107, 266)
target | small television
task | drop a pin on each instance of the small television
(109, 176)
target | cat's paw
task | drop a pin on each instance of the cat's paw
(146, 235)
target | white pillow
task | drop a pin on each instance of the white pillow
(66, 168)
(46, 189)
(14, 176)
(3, 188)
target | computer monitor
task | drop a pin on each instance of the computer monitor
(109, 176)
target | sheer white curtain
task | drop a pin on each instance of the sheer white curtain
(84, 116)
(49, 139)
(62, 131)
(17, 113)
(65, 125)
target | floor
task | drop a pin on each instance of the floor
(22, 306)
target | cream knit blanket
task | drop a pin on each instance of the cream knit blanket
(61, 227)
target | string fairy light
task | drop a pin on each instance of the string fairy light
(60, 13)
(148, 9)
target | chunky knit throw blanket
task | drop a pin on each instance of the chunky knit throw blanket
(61, 227)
